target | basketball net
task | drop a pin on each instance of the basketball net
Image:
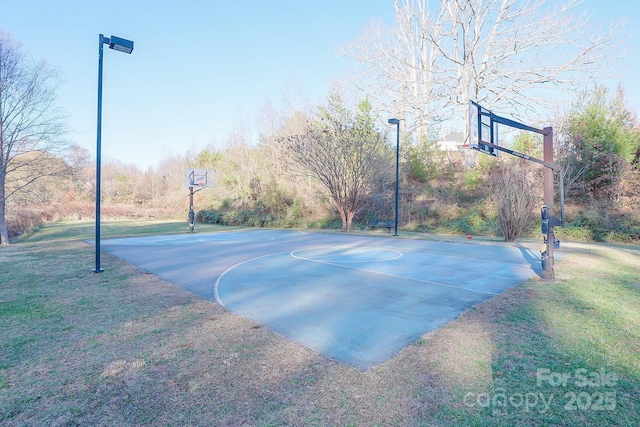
(469, 156)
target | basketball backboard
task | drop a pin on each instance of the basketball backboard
(482, 128)
(202, 178)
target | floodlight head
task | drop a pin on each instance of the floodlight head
(394, 121)
(120, 44)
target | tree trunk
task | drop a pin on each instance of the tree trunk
(4, 232)
(343, 216)
(350, 215)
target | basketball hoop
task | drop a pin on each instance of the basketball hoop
(196, 180)
(201, 178)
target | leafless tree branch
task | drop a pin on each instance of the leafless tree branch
(30, 125)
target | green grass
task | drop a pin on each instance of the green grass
(584, 325)
(85, 230)
(124, 348)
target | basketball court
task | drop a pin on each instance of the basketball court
(355, 299)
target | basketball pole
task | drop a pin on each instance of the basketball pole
(192, 216)
(201, 179)
(548, 273)
(549, 220)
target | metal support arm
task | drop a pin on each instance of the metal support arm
(549, 220)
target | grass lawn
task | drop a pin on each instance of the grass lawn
(124, 348)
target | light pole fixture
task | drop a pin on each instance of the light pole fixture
(121, 45)
(397, 123)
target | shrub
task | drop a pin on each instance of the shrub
(598, 222)
(513, 192)
(574, 232)
(209, 216)
(22, 222)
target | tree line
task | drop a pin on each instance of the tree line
(333, 165)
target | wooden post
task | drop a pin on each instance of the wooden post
(548, 273)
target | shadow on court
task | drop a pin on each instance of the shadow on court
(355, 299)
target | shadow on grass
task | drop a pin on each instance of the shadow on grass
(565, 353)
(125, 348)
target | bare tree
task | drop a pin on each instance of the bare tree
(81, 172)
(401, 66)
(344, 152)
(505, 54)
(30, 125)
(47, 188)
(513, 191)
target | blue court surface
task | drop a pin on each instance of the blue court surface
(355, 299)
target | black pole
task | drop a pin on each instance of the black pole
(192, 215)
(397, 174)
(397, 123)
(98, 269)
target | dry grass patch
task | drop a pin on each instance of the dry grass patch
(125, 348)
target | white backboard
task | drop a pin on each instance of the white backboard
(482, 129)
(201, 178)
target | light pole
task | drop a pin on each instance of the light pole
(121, 45)
(397, 123)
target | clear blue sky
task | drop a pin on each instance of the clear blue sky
(198, 65)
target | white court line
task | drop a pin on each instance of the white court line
(392, 275)
(399, 254)
(185, 240)
(215, 285)
(439, 254)
(292, 254)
